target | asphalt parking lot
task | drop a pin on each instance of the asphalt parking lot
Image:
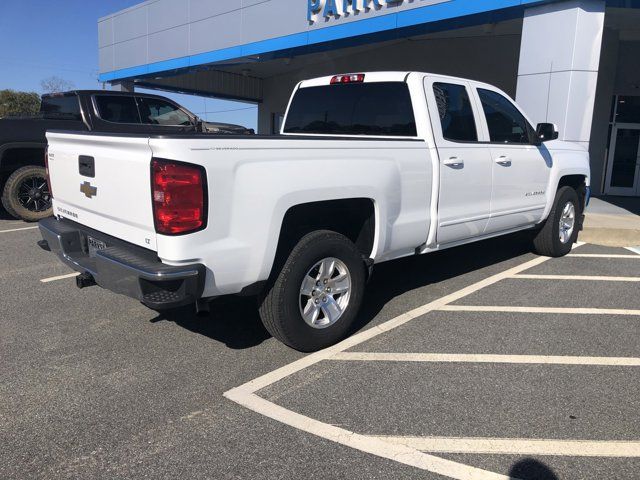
(482, 362)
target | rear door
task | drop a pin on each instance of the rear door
(521, 169)
(103, 182)
(464, 202)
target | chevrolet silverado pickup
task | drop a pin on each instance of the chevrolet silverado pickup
(368, 167)
(23, 185)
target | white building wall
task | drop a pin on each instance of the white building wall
(559, 61)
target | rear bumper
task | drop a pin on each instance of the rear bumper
(122, 267)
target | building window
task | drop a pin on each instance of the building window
(276, 123)
(628, 109)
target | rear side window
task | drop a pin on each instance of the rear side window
(66, 107)
(160, 112)
(506, 123)
(455, 112)
(382, 109)
(117, 109)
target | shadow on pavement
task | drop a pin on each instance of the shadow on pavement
(235, 321)
(391, 279)
(4, 215)
(531, 469)
(630, 204)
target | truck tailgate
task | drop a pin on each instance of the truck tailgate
(103, 182)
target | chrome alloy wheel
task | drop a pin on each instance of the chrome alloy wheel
(567, 222)
(325, 293)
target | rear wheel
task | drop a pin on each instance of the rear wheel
(560, 230)
(313, 301)
(26, 194)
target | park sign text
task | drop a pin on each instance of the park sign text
(335, 9)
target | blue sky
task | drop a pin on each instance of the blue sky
(41, 38)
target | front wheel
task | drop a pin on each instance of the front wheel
(313, 301)
(560, 230)
(26, 194)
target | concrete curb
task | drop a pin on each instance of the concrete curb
(610, 237)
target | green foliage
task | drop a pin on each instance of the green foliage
(13, 102)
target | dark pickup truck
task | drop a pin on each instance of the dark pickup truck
(23, 179)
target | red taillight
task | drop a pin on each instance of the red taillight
(46, 169)
(178, 197)
(350, 78)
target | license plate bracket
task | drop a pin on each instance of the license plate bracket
(95, 245)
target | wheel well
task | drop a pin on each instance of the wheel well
(15, 158)
(353, 217)
(577, 182)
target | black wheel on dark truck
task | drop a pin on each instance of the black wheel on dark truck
(313, 300)
(560, 230)
(26, 194)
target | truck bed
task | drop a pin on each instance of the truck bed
(252, 181)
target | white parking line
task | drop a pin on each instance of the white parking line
(520, 446)
(485, 358)
(561, 310)
(409, 451)
(245, 394)
(17, 229)
(364, 443)
(594, 278)
(59, 277)
(603, 255)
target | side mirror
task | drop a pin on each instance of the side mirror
(546, 132)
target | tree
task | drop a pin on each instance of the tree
(55, 84)
(18, 103)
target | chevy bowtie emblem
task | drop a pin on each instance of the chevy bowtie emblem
(88, 190)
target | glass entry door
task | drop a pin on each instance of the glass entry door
(624, 161)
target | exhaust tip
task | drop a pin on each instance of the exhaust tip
(202, 308)
(85, 280)
(44, 245)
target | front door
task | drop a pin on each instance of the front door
(521, 169)
(624, 161)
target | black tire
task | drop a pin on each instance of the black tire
(547, 240)
(13, 188)
(280, 306)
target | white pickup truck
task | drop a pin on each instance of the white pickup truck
(368, 167)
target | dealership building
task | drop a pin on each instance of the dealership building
(573, 63)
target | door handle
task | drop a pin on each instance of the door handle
(503, 160)
(454, 162)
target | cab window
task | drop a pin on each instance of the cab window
(63, 106)
(380, 108)
(159, 112)
(455, 112)
(117, 109)
(506, 123)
